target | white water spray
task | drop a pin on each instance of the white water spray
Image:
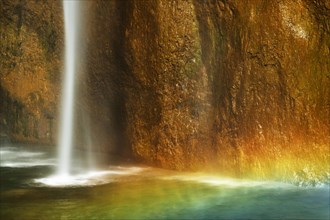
(65, 175)
(67, 117)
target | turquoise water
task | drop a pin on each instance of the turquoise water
(149, 193)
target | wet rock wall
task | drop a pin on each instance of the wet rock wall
(31, 66)
(240, 87)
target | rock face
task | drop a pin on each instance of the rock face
(241, 87)
(270, 68)
(238, 85)
(31, 64)
(102, 91)
(168, 102)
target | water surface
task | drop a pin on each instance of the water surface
(147, 193)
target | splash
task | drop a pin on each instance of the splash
(90, 178)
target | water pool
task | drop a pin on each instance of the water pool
(149, 193)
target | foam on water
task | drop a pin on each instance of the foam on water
(15, 158)
(226, 182)
(88, 179)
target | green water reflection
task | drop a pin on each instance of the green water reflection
(144, 196)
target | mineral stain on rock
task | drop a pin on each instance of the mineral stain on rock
(239, 87)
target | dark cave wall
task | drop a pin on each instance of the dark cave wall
(102, 90)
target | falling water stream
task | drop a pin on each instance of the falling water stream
(68, 161)
(66, 131)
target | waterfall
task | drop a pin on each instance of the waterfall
(67, 110)
(73, 168)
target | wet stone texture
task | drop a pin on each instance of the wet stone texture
(30, 73)
(270, 67)
(240, 87)
(169, 101)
